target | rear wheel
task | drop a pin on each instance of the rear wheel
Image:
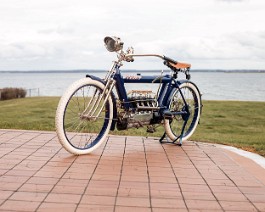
(174, 126)
(83, 117)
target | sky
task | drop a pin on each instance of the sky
(68, 34)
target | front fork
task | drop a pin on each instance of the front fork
(93, 108)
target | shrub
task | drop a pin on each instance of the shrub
(12, 93)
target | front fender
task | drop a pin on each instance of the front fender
(114, 120)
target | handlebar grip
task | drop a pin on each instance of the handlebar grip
(170, 60)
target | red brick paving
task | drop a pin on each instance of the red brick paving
(125, 174)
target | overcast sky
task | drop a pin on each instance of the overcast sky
(68, 34)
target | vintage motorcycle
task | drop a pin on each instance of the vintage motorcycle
(90, 108)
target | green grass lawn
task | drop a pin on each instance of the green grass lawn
(235, 123)
(28, 113)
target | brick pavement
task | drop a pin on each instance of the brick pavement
(125, 174)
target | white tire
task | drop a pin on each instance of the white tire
(77, 134)
(173, 127)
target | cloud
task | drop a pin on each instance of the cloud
(57, 30)
(61, 34)
(15, 51)
(232, 50)
(68, 53)
(232, 1)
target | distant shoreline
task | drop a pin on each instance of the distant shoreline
(214, 84)
(154, 71)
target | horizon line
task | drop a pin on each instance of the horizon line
(125, 70)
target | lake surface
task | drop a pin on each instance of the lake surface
(213, 85)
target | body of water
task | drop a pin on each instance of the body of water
(213, 85)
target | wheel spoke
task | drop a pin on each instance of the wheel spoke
(178, 105)
(82, 131)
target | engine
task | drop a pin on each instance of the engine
(143, 106)
(142, 99)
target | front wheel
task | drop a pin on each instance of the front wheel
(183, 125)
(83, 116)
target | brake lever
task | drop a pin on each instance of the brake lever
(130, 58)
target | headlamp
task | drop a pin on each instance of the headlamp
(113, 44)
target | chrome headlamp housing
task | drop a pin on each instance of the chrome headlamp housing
(113, 44)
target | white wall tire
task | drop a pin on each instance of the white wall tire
(171, 131)
(68, 99)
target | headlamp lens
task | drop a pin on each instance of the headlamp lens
(113, 44)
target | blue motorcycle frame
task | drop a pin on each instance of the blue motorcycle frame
(169, 85)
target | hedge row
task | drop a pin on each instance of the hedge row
(12, 93)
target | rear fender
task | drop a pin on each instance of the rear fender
(176, 86)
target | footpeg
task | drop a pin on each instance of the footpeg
(150, 129)
(167, 114)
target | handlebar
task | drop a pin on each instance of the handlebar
(166, 59)
(172, 64)
(145, 55)
(114, 44)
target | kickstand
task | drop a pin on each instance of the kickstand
(164, 140)
(164, 137)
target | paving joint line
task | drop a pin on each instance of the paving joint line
(34, 172)
(228, 177)
(58, 178)
(18, 146)
(149, 187)
(121, 171)
(175, 177)
(82, 195)
(203, 177)
(28, 155)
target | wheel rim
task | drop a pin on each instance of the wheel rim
(80, 131)
(177, 104)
